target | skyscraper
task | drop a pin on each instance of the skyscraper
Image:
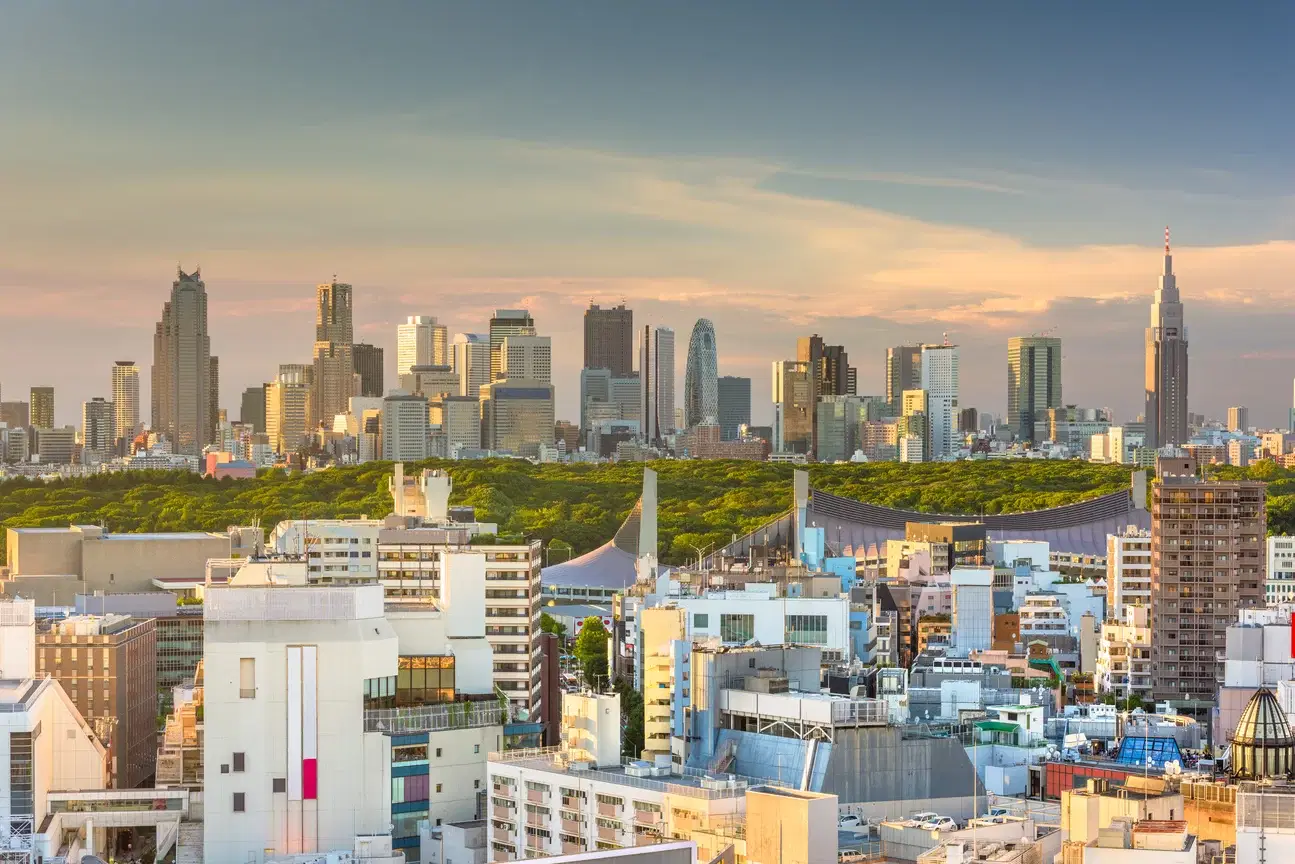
(334, 374)
(368, 365)
(181, 367)
(1196, 589)
(701, 377)
(609, 339)
(125, 399)
(420, 341)
(939, 371)
(734, 406)
(793, 407)
(528, 357)
(1166, 363)
(252, 410)
(663, 358)
(471, 362)
(1033, 384)
(903, 372)
(1238, 418)
(656, 382)
(213, 397)
(287, 407)
(98, 430)
(507, 322)
(42, 407)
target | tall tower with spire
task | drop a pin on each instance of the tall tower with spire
(1166, 364)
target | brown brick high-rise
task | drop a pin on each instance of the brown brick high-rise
(1207, 561)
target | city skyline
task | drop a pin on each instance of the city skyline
(859, 236)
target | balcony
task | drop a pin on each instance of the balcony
(434, 718)
(607, 834)
(499, 811)
(537, 820)
(506, 790)
(503, 835)
(570, 847)
(573, 823)
(610, 811)
(537, 796)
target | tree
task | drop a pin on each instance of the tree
(591, 652)
(549, 624)
(633, 740)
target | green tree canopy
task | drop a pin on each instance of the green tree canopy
(591, 651)
(549, 624)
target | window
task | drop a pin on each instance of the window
(438, 787)
(736, 628)
(700, 620)
(476, 748)
(379, 693)
(238, 762)
(240, 802)
(279, 784)
(438, 752)
(425, 680)
(476, 784)
(247, 678)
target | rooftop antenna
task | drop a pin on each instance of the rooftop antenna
(1166, 239)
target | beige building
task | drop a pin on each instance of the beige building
(55, 564)
(529, 357)
(42, 407)
(288, 411)
(793, 406)
(517, 415)
(461, 422)
(107, 666)
(125, 399)
(660, 626)
(1124, 655)
(181, 390)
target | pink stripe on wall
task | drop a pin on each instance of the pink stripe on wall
(309, 779)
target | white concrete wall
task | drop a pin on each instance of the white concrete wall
(770, 616)
(463, 593)
(459, 770)
(354, 790)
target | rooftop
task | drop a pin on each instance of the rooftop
(691, 782)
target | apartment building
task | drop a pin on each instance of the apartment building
(759, 614)
(108, 666)
(1124, 655)
(332, 548)
(1207, 560)
(1128, 571)
(410, 565)
(1279, 582)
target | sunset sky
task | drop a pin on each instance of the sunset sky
(877, 173)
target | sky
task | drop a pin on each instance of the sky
(879, 174)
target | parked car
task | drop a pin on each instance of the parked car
(997, 811)
(849, 820)
(940, 823)
(925, 816)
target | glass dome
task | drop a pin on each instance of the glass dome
(1262, 746)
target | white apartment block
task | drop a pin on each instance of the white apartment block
(542, 803)
(410, 565)
(738, 617)
(405, 428)
(973, 608)
(1043, 615)
(1124, 655)
(1128, 571)
(1279, 586)
(420, 341)
(340, 549)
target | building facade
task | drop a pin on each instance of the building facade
(903, 372)
(368, 365)
(701, 377)
(940, 381)
(734, 405)
(505, 323)
(42, 407)
(471, 362)
(517, 416)
(182, 367)
(334, 358)
(125, 400)
(1279, 582)
(1033, 384)
(288, 407)
(529, 357)
(108, 666)
(98, 430)
(609, 339)
(1128, 571)
(793, 407)
(1166, 364)
(405, 428)
(1207, 561)
(420, 341)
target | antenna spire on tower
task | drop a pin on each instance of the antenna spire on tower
(1166, 239)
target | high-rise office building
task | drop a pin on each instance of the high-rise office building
(1238, 418)
(968, 421)
(529, 357)
(252, 410)
(829, 372)
(125, 400)
(98, 430)
(903, 372)
(505, 323)
(471, 362)
(42, 407)
(15, 415)
(213, 396)
(734, 406)
(914, 426)
(793, 407)
(609, 339)
(940, 381)
(432, 382)
(287, 407)
(517, 416)
(1197, 585)
(1033, 384)
(420, 341)
(656, 383)
(368, 365)
(405, 428)
(181, 367)
(701, 377)
(1166, 364)
(334, 374)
